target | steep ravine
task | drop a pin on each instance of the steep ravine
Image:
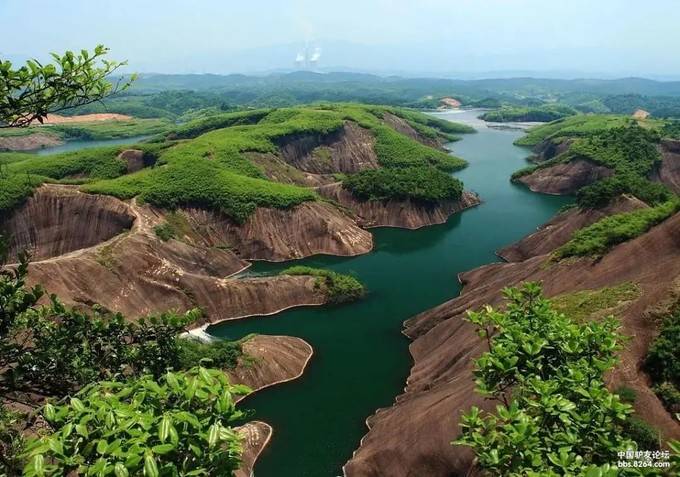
(361, 360)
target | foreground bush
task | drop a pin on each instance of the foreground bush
(178, 425)
(555, 415)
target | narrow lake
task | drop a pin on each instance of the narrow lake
(361, 360)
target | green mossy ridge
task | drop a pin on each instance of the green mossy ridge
(338, 288)
(421, 184)
(212, 170)
(582, 305)
(573, 126)
(599, 237)
(545, 113)
(626, 146)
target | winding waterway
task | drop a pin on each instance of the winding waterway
(361, 360)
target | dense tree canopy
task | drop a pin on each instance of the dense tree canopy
(33, 91)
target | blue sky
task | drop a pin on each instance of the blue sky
(599, 37)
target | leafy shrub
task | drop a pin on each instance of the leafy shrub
(11, 441)
(644, 435)
(600, 193)
(669, 395)
(556, 416)
(69, 349)
(422, 184)
(221, 354)
(165, 231)
(180, 425)
(599, 237)
(662, 362)
(337, 287)
(626, 394)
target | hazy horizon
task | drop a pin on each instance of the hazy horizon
(464, 38)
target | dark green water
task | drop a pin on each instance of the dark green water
(361, 360)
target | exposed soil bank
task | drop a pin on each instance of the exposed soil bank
(404, 214)
(565, 178)
(412, 437)
(559, 229)
(29, 142)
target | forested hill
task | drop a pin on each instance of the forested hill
(171, 96)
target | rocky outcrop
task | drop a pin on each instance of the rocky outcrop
(413, 436)
(271, 360)
(139, 275)
(668, 172)
(402, 126)
(278, 170)
(255, 437)
(29, 142)
(349, 149)
(81, 256)
(549, 149)
(58, 220)
(133, 158)
(565, 177)
(309, 229)
(560, 228)
(392, 213)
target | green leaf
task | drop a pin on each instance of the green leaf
(150, 467)
(120, 470)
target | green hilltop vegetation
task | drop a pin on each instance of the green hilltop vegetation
(573, 126)
(204, 162)
(629, 148)
(545, 113)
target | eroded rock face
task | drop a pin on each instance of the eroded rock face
(59, 219)
(348, 150)
(560, 228)
(256, 435)
(550, 149)
(134, 158)
(29, 143)
(274, 234)
(271, 360)
(139, 275)
(412, 437)
(393, 213)
(565, 178)
(669, 170)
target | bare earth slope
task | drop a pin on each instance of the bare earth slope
(405, 214)
(560, 228)
(412, 437)
(565, 178)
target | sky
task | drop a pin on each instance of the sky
(455, 38)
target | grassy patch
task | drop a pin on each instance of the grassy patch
(582, 305)
(339, 288)
(599, 237)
